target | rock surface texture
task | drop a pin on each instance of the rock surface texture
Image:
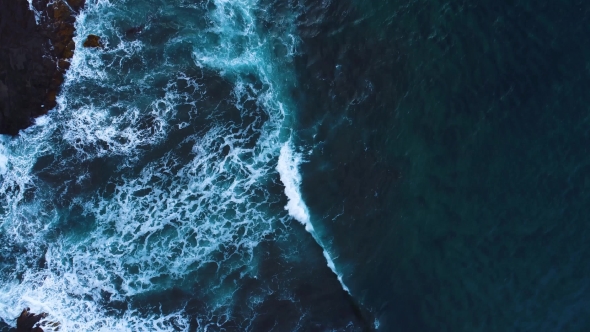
(34, 56)
(92, 41)
(30, 322)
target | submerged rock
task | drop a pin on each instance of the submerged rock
(92, 41)
(33, 58)
(134, 30)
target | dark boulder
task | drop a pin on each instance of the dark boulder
(27, 320)
(92, 41)
(30, 322)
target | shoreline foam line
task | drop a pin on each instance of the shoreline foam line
(288, 168)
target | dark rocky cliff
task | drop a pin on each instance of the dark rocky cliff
(33, 58)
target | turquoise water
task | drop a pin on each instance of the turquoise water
(308, 166)
(162, 193)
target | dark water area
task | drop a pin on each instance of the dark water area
(450, 165)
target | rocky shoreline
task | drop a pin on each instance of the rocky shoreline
(35, 53)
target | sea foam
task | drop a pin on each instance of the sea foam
(288, 168)
(3, 159)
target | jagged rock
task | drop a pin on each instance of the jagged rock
(62, 12)
(92, 41)
(27, 320)
(31, 54)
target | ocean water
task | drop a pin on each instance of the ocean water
(450, 160)
(274, 165)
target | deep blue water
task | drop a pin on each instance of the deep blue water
(308, 166)
(450, 163)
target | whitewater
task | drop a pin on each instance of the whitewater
(167, 163)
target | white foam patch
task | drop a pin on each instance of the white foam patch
(288, 168)
(35, 12)
(3, 158)
(42, 120)
(232, 19)
(94, 132)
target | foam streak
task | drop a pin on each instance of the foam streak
(288, 168)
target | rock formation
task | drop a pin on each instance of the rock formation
(30, 322)
(92, 41)
(34, 56)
